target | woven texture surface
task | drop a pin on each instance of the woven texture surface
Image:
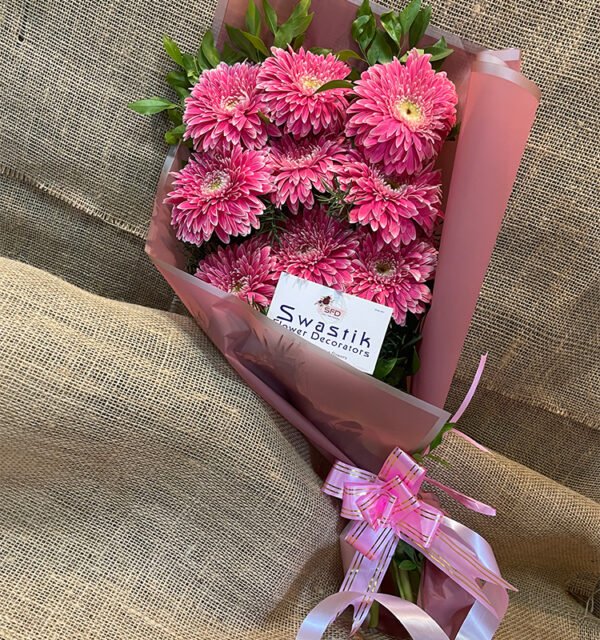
(146, 493)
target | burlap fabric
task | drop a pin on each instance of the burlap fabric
(146, 493)
(105, 541)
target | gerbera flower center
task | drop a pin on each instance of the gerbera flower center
(309, 252)
(310, 83)
(395, 185)
(238, 285)
(301, 156)
(230, 103)
(215, 182)
(384, 268)
(408, 111)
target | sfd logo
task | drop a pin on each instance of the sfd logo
(327, 309)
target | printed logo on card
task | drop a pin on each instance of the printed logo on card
(329, 309)
(346, 326)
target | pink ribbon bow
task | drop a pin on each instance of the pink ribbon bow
(386, 508)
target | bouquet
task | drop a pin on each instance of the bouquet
(340, 164)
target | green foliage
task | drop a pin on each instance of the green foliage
(250, 44)
(150, 106)
(272, 222)
(363, 31)
(173, 50)
(346, 54)
(408, 14)
(270, 16)
(253, 21)
(335, 84)
(398, 32)
(379, 50)
(419, 26)
(257, 43)
(398, 358)
(174, 135)
(390, 22)
(437, 441)
(209, 51)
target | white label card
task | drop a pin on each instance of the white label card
(350, 328)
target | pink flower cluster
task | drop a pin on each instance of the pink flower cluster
(265, 139)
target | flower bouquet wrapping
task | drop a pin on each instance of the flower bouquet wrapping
(341, 146)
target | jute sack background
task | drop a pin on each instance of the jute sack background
(146, 493)
(78, 173)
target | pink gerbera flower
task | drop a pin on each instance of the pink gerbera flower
(289, 80)
(317, 247)
(224, 109)
(299, 166)
(216, 193)
(394, 277)
(396, 207)
(403, 113)
(246, 270)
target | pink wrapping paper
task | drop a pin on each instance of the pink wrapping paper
(345, 413)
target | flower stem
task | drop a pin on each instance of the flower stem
(374, 615)
(406, 587)
(397, 582)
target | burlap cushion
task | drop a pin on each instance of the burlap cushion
(146, 493)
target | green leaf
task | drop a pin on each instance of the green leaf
(178, 79)
(253, 18)
(439, 460)
(301, 9)
(384, 367)
(364, 9)
(292, 29)
(408, 14)
(173, 50)
(265, 118)
(190, 64)
(230, 55)
(150, 106)
(453, 135)
(237, 38)
(354, 75)
(407, 565)
(181, 92)
(363, 31)
(201, 60)
(347, 54)
(175, 116)
(256, 42)
(335, 84)
(390, 21)
(173, 136)
(379, 50)
(419, 26)
(209, 50)
(270, 16)
(439, 50)
(437, 441)
(415, 362)
(319, 51)
(298, 41)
